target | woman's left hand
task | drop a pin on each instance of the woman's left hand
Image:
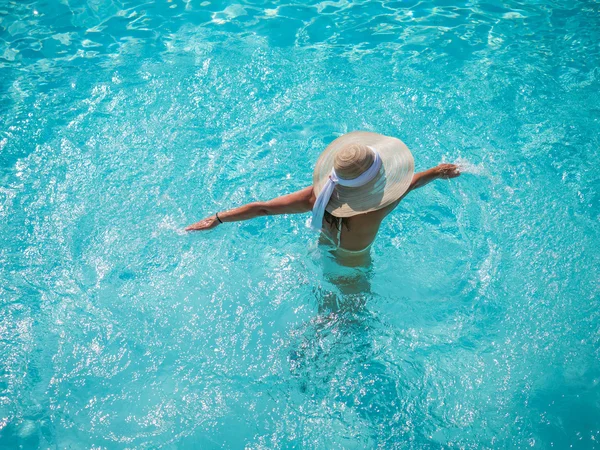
(446, 171)
(204, 224)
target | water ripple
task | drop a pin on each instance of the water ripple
(121, 122)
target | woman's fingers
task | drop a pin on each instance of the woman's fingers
(448, 170)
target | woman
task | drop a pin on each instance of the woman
(358, 180)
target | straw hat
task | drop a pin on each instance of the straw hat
(350, 155)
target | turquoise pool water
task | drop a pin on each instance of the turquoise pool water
(121, 122)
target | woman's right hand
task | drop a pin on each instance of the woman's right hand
(204, 224)
(446, 171)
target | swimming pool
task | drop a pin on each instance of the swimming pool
(121, 122)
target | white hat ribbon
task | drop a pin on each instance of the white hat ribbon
(325, 194)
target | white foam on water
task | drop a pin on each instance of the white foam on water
(466, 166)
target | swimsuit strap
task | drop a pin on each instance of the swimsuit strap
(339, 233)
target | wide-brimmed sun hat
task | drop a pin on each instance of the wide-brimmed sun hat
(360, 172)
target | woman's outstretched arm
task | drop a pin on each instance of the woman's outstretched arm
(444, 171)
(298, 202)
(420, 179)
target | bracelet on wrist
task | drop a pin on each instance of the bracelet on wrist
(217, 216)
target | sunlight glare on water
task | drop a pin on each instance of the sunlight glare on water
(122, 122)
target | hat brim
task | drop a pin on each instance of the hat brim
(392, 181)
